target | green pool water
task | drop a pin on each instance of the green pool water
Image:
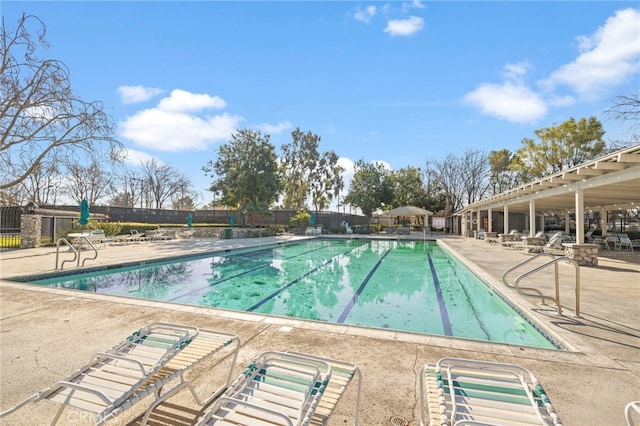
(401, 285)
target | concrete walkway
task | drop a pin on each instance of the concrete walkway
(45, 334)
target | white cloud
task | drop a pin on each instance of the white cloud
(516, 71)
(404, 27)
(135, 94)
(136, 158)
(175, 125)
(274, 129)
(384, 164)
(415, 4)
(508, 101)
(183, 101)
(608, 57)
(365, 15)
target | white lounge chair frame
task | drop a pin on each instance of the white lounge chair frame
(140, 365)
(342, 373)
(277, 388)
(466, 392)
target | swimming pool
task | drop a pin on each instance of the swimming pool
(401, 285)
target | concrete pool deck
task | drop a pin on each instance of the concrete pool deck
(45, 334)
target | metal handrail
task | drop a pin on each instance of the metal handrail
(513, 268)
(556, 299)
(95, 250)
(75, 252)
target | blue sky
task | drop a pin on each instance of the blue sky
(399, 82)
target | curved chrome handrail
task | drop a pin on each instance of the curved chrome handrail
(555, 299)
(95, 250)
(75, 252)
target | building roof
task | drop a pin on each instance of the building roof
(608, 183)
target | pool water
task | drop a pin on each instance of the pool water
(401, 285)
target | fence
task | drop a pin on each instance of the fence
(54, 226)
(279, 217)
(56, 220)
(10, 227)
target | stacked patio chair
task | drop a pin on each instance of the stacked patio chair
(283, 388)
(142, 364)
(458, 392)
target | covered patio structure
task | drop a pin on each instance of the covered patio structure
(610, 183)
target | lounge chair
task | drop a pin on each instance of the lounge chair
(277, 388)
(624, 242)
(98, 237)
(342, 373)
(132, 237)
(468, 392)
(158, 235)
(611, 241)
(142, 364)
(555, 245)
(588, 236)
(313, 230)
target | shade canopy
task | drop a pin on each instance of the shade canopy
(409, 211)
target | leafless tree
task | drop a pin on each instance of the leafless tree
(464, 179)
(163, 182)
(42, 186)
(90, 183)
(41, 119)
(626, 108)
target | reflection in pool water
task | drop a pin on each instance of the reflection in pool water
(400, 285)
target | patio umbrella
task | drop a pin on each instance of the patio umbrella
(84, 212)
(189, 220)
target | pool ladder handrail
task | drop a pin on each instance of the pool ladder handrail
(554, 261)
(76, 253)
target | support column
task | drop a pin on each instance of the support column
(490, 220)
(567, 222)
(603, 222)
(506, 220)
(532, 218)
(579, 216)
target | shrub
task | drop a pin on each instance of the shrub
(300, 220)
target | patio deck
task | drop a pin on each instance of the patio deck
(47, 333)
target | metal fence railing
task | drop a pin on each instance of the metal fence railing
(10, 227)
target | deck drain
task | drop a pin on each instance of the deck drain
(399, 421)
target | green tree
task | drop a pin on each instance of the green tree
(560, 147)
(308, 173)
(256, 208)
(326, 181)
(408, 187)
(502, 177)
(245, 174)
(298, 165)
(370, 186)
(41, 119)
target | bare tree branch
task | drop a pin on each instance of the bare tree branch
(40, 118)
